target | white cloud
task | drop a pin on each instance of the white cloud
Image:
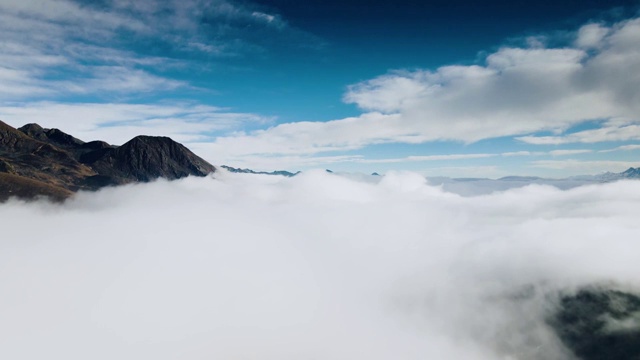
(420, 158)
(121, 79)
(517, 91)
(518, 153)
(56, 48)
(591, 36)
(474, 171)
(118, 123)
(317, 266)
(389, 93)
(623, 148)
(263, 16)
(43, 39)
(569, 152)
(305, 137)
(610, 131)
(450, 157)
(70, 14)
(291, 163)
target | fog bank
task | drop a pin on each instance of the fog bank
(317, 266)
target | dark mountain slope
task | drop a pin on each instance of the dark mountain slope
(145, 158)
(52, 136)
(12, 140)
(58, 164)
(34, 159)
(14, 185)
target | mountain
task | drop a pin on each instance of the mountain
(35, 161)
(599, 323)
(520, 178)
(630, 173)
(145, 158)
(249, 171)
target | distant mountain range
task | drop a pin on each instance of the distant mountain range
(35, 161)
(48, 162)
(478, 186)
(249, 171)
(630, 173)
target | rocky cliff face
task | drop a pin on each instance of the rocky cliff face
(48, 162)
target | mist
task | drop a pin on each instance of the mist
(318, 266)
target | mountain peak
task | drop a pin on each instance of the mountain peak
(41, 161)
(148, 139)
(54, 137)
(7, 132)
(148, 157)
(31, 129)
(631, 173)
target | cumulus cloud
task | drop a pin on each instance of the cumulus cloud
(591, 36)
(516, 91)
(317, 266)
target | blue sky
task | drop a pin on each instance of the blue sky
(455, 88)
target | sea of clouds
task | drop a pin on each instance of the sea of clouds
(318, 266)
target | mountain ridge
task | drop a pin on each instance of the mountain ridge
(249, 171)
(35, 161)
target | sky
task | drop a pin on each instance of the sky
(318, 266)
(442, 88)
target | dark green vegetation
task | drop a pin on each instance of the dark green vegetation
(599, 324)
(47, 162)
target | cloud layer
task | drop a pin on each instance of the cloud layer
(317, 266)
